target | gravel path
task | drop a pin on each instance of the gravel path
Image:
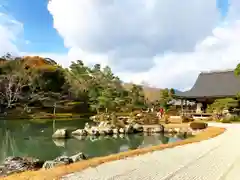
(214, 159)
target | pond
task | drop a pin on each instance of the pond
(33, 139)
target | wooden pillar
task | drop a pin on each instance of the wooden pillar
(182, 107)
(186, 105)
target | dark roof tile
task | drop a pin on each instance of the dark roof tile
(214, 84)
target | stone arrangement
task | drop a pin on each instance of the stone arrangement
(105, 128)
(20, 164)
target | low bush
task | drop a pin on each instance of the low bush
(198, 125)
(234, 119)
(225, 121)
(186, 119)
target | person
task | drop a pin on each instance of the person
(161, 110)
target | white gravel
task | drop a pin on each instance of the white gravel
(214, 159)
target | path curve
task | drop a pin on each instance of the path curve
(214, 159)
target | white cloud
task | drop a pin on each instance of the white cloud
(218, 51)
(164, 43)
(132, 33)
(10, 29)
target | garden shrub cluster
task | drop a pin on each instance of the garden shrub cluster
(186, 119)
(198, 125)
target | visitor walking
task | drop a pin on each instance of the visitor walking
(161, 111)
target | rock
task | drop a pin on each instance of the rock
(139, 115)
(108, 130)
(137, 128)
(87, 126)
(115, 131)
(64, 159)
(51, 164)
(79, 132)
(122, 130)
(170, 130)
(102, 131)
(158, 129)
(129, 129)
(177, 130)
(95, 131)
(20, 164)
(101, 124)
(78, 157)
(61, 133)
(93, 118)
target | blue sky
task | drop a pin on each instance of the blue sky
(155, 41)
(223, 6)
(38, 26)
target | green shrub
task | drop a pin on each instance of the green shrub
(234, 119)
(225, 120)
(198, 125)
(186, 119)
(230, 119)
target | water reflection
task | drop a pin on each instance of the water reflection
(27, 138)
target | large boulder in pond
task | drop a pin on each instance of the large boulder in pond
(129, 129)
(79, 132)
(121, 130)
(93, 131)
(61, 134)
(115, 131)
(108, 130)
(19, 164)
(137, 128)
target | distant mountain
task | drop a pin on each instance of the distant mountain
(177, 91)
(150, 93)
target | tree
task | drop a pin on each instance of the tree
(166, 95)
(220, 104)
(12, 84)
(137, 97)
(237, 70)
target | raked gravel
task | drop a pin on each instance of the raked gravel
(214, 159)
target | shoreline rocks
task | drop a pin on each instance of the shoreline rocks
(64, 160)
(15, 164)
(19, 164)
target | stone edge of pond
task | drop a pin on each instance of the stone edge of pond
(58, 172)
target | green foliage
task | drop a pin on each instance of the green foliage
(237, 70)
(166, 95)
(220, 104)
(39, 82)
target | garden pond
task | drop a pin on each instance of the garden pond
(33, 138)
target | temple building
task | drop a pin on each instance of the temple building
(210, 86)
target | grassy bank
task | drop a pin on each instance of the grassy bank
(58, 116)
(60, 171)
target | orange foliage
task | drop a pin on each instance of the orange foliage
(34, 61)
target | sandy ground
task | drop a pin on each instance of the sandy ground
(214, 159)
